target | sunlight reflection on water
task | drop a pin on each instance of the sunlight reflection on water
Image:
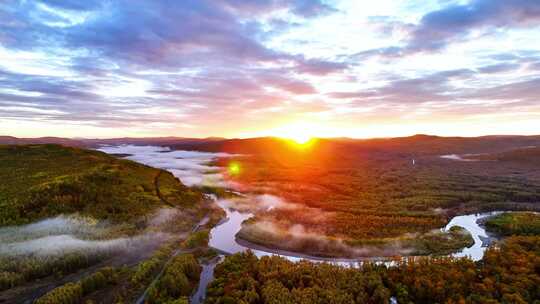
(193, 168)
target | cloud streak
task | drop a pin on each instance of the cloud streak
(219, 68)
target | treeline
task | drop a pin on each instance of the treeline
(123, 285)
(242, 278)
(435, 242)
(507, 274)
(179, 279)
(15, 271)
(197, 239)
(147, 269)
(514, 223)
(355, 225)
(73, 293)
(178, 282)
(373, 195)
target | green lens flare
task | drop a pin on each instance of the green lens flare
(234, 168)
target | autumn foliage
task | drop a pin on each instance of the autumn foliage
(509, 274)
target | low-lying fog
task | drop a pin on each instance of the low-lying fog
(191, 167)
(65, 243)
(69, 233)
(65, 234)
(81, 227)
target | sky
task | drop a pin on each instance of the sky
(290, 68)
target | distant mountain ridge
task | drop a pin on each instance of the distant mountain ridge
(11, 140)
(159, 141)
(421, 144)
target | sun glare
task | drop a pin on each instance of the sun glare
(300, 133)
(301, 138)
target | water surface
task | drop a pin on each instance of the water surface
(193, 168)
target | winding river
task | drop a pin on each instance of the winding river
(223, 238)
(193, 169)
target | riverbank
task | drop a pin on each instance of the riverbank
(227, 236)
(223, 237)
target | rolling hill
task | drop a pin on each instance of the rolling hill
(40, 181)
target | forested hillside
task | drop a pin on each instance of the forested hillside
(99, 227)
(40, 181)
(509, 274)
(382, 191)
(514, 223)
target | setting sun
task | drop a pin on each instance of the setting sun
(263, 151)
(301, 133)
(301, 138)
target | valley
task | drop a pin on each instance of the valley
(367, 211)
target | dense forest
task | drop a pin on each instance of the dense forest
(74, 292)
(434, 242)
(514, 223)
(123, 284)
(509, 273)
(364, 194)
(93, 201)
(40, 181)
(169, 275)
(350, 198)
(178, 281)
(15, 271)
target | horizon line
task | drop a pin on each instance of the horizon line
(269, 137)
